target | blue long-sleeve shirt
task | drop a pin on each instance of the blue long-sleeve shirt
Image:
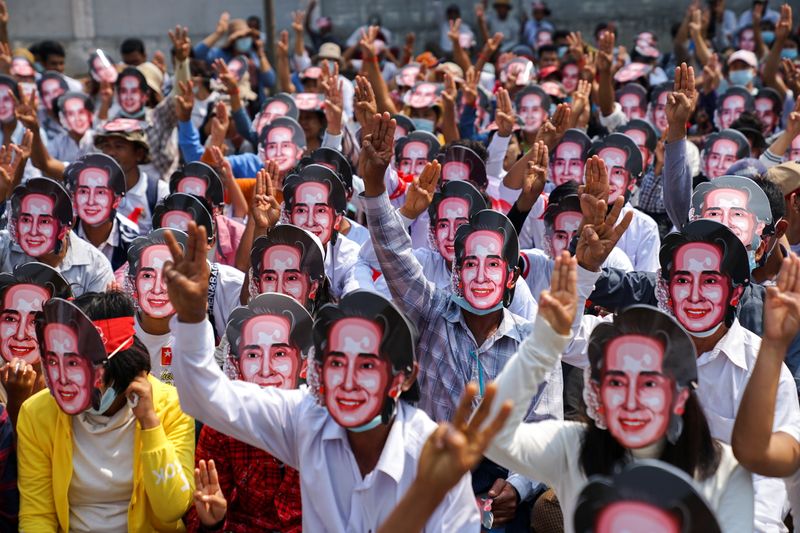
(677, 183)
(242, 165)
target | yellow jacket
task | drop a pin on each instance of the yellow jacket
(163, 465)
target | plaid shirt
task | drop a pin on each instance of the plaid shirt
(161, 123)
(9, 495)
(651, 192)
(447, 353)
(263, 494)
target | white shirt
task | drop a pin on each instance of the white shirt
(549, 451)
(339, 266)
(137, 197)
(291, 426)
(160, 349)
(102, 471)
(107, 247)
(641, 241)
(64, 148)
(226, 297)
(358, 233)
(83, 266)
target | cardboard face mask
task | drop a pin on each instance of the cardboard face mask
(94, 198)
(311, 210)
(408, 75)
(281, 273)
(700, 293)
(151, 287)
(623, 162)
(280, 105)
(414, 159)
(7, 104)
(565, 225)
(533, 108)
(570, 75)
(423, 95)
(451, 214)
(200, 180)
(132, 92)
(74, 114)
(463, 164)
(568, 160)
(722, 150)
(356, 378)
(647, 495)
(731, 104)
(37, 228)
(633, 100)
(102, 68)
(51, 86)
(483, 269)
(660, 111)
(644, 135)
(766, 112)
(284, 142)
(72, 356)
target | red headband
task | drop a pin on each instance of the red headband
(116, 334)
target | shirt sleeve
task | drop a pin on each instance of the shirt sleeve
(244, 126)
(262, 417)
(245, 165)
(677, 183)
(497, 153)
(37, 502)
(189, 141)
(616, 119)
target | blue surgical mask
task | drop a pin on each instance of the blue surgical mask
(423, 124)
(105, 402)
(244, 44)
(466, 306)
(768, 37)
(562, 51)
(741, 77)
(789, 53)
(366, 427)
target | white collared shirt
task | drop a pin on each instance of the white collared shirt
(84, 267)
(641, 241)
(137, 197)
(291, 426)
(339, 267)
(107, 247)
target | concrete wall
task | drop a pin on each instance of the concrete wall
(86, 24)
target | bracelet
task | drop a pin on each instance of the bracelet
(373, 59)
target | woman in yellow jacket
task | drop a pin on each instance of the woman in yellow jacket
(126, 462)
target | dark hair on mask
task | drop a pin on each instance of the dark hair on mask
(300, 321)
(62, 203)
(35, 273)
(153, 238)
(123, 368)
(777, 204)
(476, 146)
(131, 45)
(457, 189)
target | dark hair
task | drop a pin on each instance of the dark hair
(476, 146)
(650, 134)
(272, 304)
(633, 88)
(88, 103)
(62, 203)
(198, 169)
(116, 176)
(254, 21)
(777, 204)
(196, 206)
(35, 273)
(131, 45)
(125, 365)
(153, 238)
(633, 160)
(11, 83)
(743, 145)
(332, 158)
(761, 209)
(574, 135)
(298, 136)
(457, 189)
(45, 49)
(566, 204)
(735, 90)
(533, 89)
(547, 48)
(136, 73)
(52, 75)
(771, 94)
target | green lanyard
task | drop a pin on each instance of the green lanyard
(480, 371)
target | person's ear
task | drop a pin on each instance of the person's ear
(62, 232)
(406, 380)
(312, 291)
(99, 377)
(758, 253)
(513, 276)
(117, 200)
(337, 222)
(679, 405)
(303, 374)
(780, 228)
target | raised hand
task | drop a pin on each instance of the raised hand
(264, 207)
(283, 44)
(225, 76)
(209, 501)
(5, 58)
(782, 307)
(220, 124)
(595, 179)
(491, 46)
(160, 61)
(581, 108)
(455, 30)
(18, 378)
(222, 23)
(575, 44)
(187, 275)
(470, 86)
(504, 116)
(480, 13)
(181, 42)
(334, 101)
(184, 101)
(366, 105)
(553, 130)
(144, 411)
(26, 110)
(376, 153)
(535, 177)
(450, 92)
(559, 304)
(367, 42)
(297, 21)
(696, 23)
(3, 12)
(784, 27)
(605, 53)
(420, 194)
(681, 101)
(712, 74)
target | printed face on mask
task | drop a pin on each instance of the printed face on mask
(640, 138)
(51, 89)
(636, 516)
(794, 149)
(78, 119)
(21, 303)
(355, 377)
(732, 107)
(451, 214)
(408, 76)
(266, 356)
(176, 220)
(729, 207)
(632, 106)
(568, 163)
(721, 156)
(69, 373)
(274, 109)
(699, 292)
(193, 185)
(94, 199)
(7, 105)
(570, 75)
(310, 210)
(280, 146)
(618, 176)
(747, 40)
(151, 288)
(766, 114)
(660, 111)
(483, 269)
(455, 171)
(635, 395)
(37, 228)
(423, 95)
(105, 71)
(564, 227)
(281, 272)
(532, 112)
(131, 96)
(413, 158)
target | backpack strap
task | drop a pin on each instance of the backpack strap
(152, 192)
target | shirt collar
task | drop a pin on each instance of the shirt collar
(113, 236)
(508, 325)
(77, 253)
(732, 346)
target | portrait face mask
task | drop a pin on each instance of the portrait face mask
(150, 286)
(720, 157)
(451, 214)
(766, 114)
(636, 516)
(660, 111)
(794, 149)
(37, 230)
(483, 270)
(7, 105)
(311, 210)
(732, 107)
(21, 304)
(618, 175)
(94, 199)
(729, 207)
(632, 106)
(699, 293)
(51, 90)
(568, 163)
(193, 185)
(635, 395)
(414, 158)
(281, 272)
(565, 226)
(70, 374)
(273, 110)
(176, 220)
(131, 97)
(570, 75)
(280, 147)
(356, 379)
(266, 355)
(531, 112)
(75, 116)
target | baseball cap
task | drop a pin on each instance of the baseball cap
(786, 176)
(744, 55)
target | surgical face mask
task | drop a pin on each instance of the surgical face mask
(789, 53)
(487, 81)
(562, 51)
(466, 306)
(244, 44)
(768, 37)
(105, 402)
(741, 77)
(423, 124)
(366, 427)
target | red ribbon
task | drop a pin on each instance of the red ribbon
(116, 333)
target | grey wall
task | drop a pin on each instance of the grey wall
(85, 24)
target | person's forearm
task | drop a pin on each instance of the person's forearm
(772, 63)
(449, 125)
(189, 141)
(284, 74)
(414, 509)
(299, 44)
(484, 29)
(42, 160)
(375, 77)
(182, 73)
(754, 444)
(701, 50)
(515, 177)
(211, 40)
(780, 145)
(243, 125)
(517, 217)
(605, 93)
(460, 57)
(761, 48)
